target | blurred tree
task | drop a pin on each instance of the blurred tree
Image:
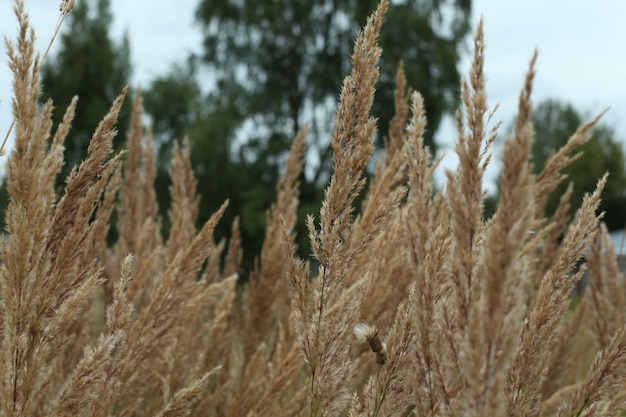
(178, 107)
(277, 65)
(555, 122)
(92, 66)
(286, 60)
(174, 101)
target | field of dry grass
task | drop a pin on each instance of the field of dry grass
(421, 306)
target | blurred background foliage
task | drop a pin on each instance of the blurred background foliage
(268, 68)
(554, 121)
(90, 65)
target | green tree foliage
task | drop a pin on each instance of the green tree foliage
(555, 122)
(278, 65)
(286, 60)
(178, 108)
(92, 66)
(175, 102)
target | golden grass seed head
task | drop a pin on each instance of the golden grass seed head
(66, 6)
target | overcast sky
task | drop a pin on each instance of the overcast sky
(582, 52)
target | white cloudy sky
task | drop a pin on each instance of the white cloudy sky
(582, 51)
